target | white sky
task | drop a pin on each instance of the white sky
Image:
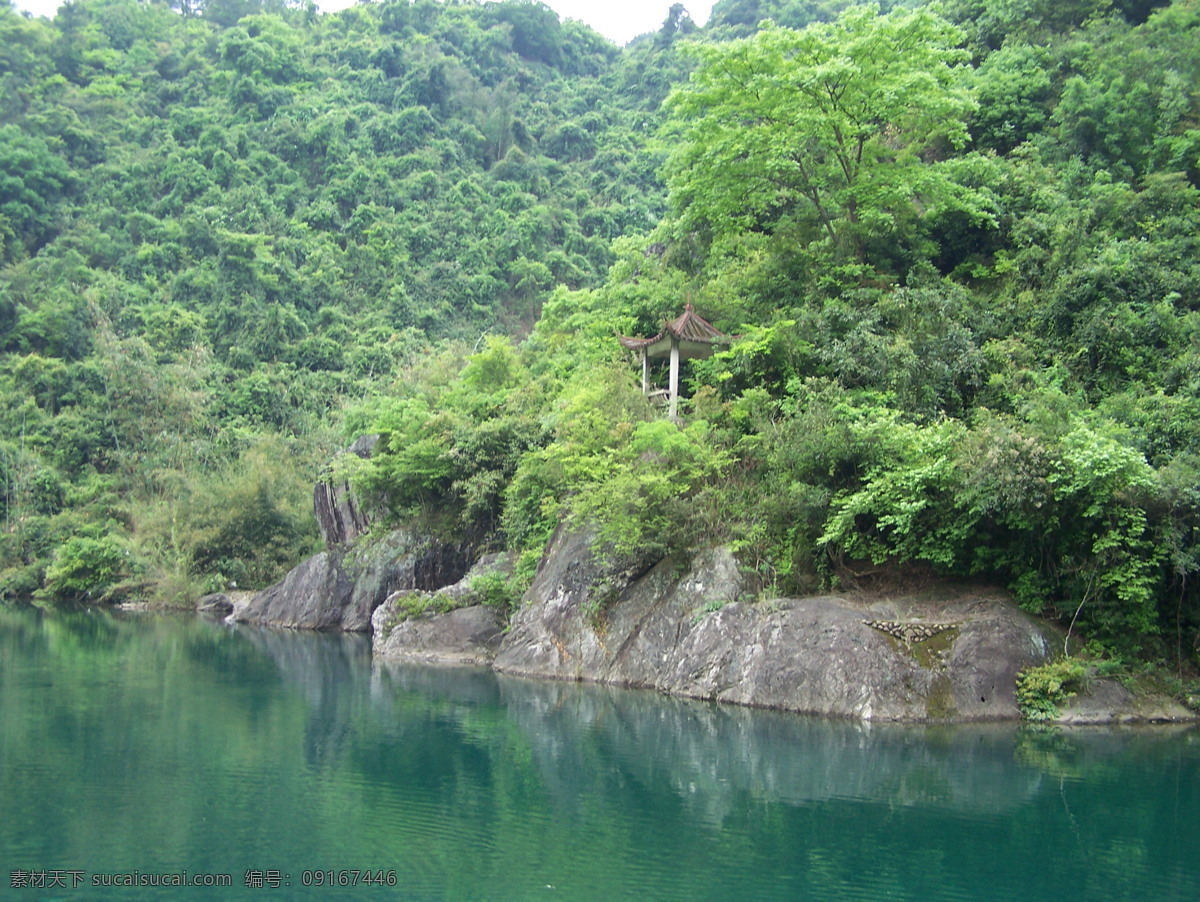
(618, 20)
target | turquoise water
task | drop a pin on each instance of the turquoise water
(144, 746)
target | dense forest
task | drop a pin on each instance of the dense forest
(958, 245)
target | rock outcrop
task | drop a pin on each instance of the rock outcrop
(342, 586)
(315, 595)
(340, 516)
(691, 633)
(456, 629)
(339, 589)
(688, 628)
(1106, 702)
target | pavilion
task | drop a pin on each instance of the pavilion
(687, 337)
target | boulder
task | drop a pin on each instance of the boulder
(690, 630)
(469, 635)
(403, 560)
(315, 595)
(215, 603)
(457, 629)
(563, 631)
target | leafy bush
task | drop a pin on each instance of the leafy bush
(495, 591)
(87, 568)
(247, 523)
(416, 604)
(1040, 690)
(1064, 520)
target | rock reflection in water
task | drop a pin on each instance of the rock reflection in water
(322, 666)
(712, 755)
(163, 743)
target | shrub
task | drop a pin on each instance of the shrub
(1040, 690)
(496, 590)
(87, 568)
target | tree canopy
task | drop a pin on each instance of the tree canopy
(830, 133)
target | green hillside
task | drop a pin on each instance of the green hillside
(957, 245)
(219, 223)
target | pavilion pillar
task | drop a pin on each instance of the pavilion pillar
(645, 372)
(674, 377)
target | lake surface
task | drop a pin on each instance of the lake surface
(161, 748)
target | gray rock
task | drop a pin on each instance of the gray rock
(689, 632)
(817, 655)
(563, 629)
(401, 560)
(469, 635)
(340, 589)
(340, 517)
(315, 595)
(216, 603)
(1106, 701)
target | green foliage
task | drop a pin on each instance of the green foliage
(495, 591)
(641, 494)
(87, 568)
(222, 225)
(821, 133)
(245, 523)
(32, 179)
(504, 590)
(1013, 86)
(906, 506)
(1041, 690)
(1065, 521)
(416, 604)
(536, 31)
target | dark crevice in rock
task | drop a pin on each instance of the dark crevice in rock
(440, 565)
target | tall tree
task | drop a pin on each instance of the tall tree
(831, 129)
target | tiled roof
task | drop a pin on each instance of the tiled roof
(691, 326)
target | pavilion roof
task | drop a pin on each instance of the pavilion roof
(696, 336)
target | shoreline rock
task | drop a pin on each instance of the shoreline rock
(456, 630)
(945, 654)
(1106, 702)
(942, 653)
(690, 634)
(690, 631)
(340, 589)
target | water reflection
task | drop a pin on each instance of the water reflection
(156, 742)
(712, 754)
(327, 669)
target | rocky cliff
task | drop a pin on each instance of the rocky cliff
(946, 653)
(340, 516)
(691, 628)
(340, 588)
(688, 630)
